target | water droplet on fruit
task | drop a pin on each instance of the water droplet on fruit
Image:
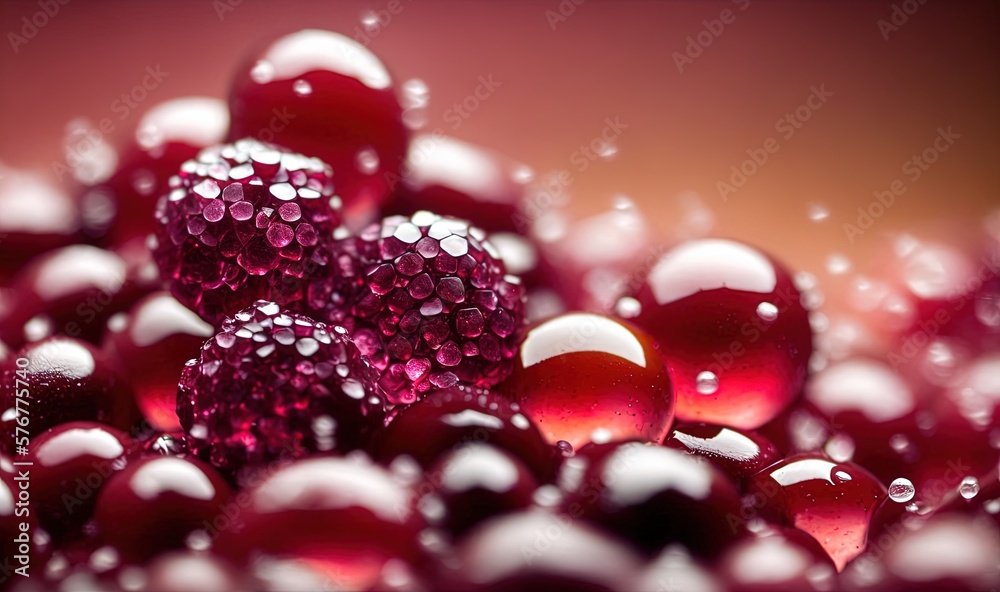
(901, 490)
(600, 436)
(818, 213)
(706, 383)
(367, 161)
(628, 307)
(837, 264)
(840, 448)
(302, 88)
(767, 311)
(969, 487)
(262, 72)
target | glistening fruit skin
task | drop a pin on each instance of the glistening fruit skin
(737, 453)
(778, 559)
(242, 222)
(731, 329)
(428, 300)
(323, 94)
(273, 384)
(584, 377)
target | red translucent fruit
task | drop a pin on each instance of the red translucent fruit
(245, 221)
(737, 453)
(731, 329)
(832, 502)
(345, 518)
(584, 377)
(655, 496)
(72, 462)
(37, 216)
(778, 559)
(71, 291)
(454, 178)
(164, 500)
(325, 95)
(539, 550)
(151, 343)
(168, 134)
(473, 483)
(273, 384)
(450, 418)
(68, 380)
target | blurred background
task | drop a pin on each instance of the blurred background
(700, 88)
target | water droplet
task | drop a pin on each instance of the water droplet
(600, 436)
(818, 213)
(842, 476)
(969, 487)
(628, 307)
(608, 151)
(706, 383)
(840, 448)
(901, 490)
(369, 19)
(565, 448)
(767, 311)
(262, 72)
(302, 88)
(837, 264)
(367, 161)
(899, 442)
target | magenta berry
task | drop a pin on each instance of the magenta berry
(428, 300)
(276, 384)
(243, 222)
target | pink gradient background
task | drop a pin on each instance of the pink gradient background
(608, 59)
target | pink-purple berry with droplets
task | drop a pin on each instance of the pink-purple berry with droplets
(243, 222)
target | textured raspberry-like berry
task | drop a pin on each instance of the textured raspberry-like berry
(276, 384)
(243, 222)
(427, 299)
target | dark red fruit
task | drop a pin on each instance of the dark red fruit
(584, 377)
(167, 135)
(71, 463)
(783, 560)
(454, 178)
(37, 216)
(71, 291)
(739, 454)
(186, 571)
(452, 418)
(833, 502)
(731, 329)
(471, 484)
(68, 380)
(324, 95)
(655, 496)
(151, 344)
(164, 498)
(345, 517)
(674, 570)
(245, 221)
(276, 384)
(538, 550)
(427, 299)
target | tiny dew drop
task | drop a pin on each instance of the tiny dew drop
(367, 161)
(706, 383)
(968, 488)
(302, 88)
(901, 490)
(767, 311)
(818, 213)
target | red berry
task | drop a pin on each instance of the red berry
(428, 301)
(164, 498)
(779, 559)
(345, 517)
(71, 463)
(584, 377)
(473, 483)
(739, 454)
(833, 502)
(151, 344)
(454, 178)
(167, 135)
(243, 222)
(731, 329)
(674, 570)
(324, 95)
(68, 380)
(654, 496)
(186, 571)
(276, 384)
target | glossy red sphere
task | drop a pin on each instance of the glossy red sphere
(833, 502)
(165, 499)
(344, 517)
(151, 343)
(187, 571)
(325, 95)
(71, 464)
(68, 380)
(674, 570)
(584, 377)
(731, 329)
(449, 419)
(654, 496)
(778, 559)
(737, 453)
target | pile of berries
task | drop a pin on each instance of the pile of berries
(250, 379)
